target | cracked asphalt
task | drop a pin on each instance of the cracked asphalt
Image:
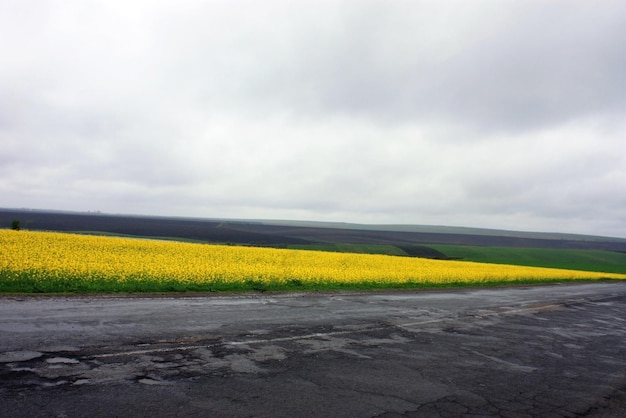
(542, 351)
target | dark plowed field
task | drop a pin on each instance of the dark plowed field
(258, 233)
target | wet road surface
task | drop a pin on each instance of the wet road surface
(549, 351)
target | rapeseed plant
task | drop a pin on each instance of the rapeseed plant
(59, 262)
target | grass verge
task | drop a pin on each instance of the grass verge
(26, 283)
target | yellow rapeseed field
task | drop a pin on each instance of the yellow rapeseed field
(90, 262)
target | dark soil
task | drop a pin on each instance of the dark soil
(258, 233)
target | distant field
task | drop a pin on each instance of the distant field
(586, 260)
(50, 262)
(350, 248)
(285, 233)
(387, 249)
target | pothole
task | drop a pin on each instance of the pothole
(17, 356)
(62, 360)
(81, 382)
(151, 382)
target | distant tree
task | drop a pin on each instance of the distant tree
(15, 224)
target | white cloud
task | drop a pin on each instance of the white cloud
(495, 114)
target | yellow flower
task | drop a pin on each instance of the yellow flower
(49, 256)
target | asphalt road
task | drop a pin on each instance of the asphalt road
(549, 351)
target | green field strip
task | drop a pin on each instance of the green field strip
(352, 248)
(585, 260)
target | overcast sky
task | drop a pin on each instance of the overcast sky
(498, 114)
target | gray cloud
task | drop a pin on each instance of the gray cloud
(503, 67)
(490, 113)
